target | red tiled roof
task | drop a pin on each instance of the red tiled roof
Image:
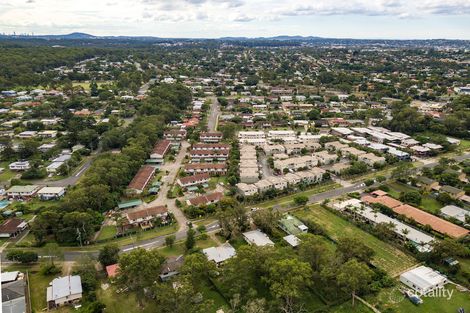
(111, 270)
(384, 200)
(435, 222)
(141, 179)
(379, 193)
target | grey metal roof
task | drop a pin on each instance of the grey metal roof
(64, 286)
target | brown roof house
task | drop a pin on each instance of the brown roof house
(141, 179)
(145, 217)
(12, 227)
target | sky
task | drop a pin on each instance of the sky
(387, 19)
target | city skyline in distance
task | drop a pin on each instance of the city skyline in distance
(357, 19)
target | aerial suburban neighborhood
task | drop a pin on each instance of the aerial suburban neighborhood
(234, 175)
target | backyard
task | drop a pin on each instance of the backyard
(387, 257)
(392, 299)
(428, 203)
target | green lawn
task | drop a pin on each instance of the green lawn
(428, 203)
(179, 248)
(348, 308)
(6, 175)
(38, 284)
(288, 199)
(386, 256)
(391, 298)
(209, 292)
(107, 232)
(123, 302)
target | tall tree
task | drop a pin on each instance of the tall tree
(138, 270)
(109, 255)
(287, 278)
(353, 276)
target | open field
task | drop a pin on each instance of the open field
(309, 192)
(391, 298)
(386, 256)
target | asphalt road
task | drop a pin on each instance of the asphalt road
(181, 233)
(213, 114)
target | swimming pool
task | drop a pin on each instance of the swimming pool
(4, 204)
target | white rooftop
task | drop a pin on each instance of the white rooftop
(292, 240)
(424, 278)
(64, 286)
(220, 254)
(258, 238)
(9, 276)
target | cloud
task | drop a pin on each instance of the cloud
(219, 16)
(244, 18)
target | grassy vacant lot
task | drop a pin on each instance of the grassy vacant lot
(391, 298)
(386, 256)
(179, 248)
(123, 303)
(348, 308)
(288, 199)
(6, 174)
(428, 203)
(107, 232)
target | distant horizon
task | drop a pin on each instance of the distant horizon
(32, 34)
(355, 19)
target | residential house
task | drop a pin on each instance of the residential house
(199, 156)
(171, 267)
(195, 180)
(452, 211)
(144, 217)
(50, 193)
(205, 199)
(212, 168)
(22, 192)
(325, 158)
(426, 183)
(159, 151)
(247, 190)
(292, 225)
(14, 298)
(220, 254)
(257, 238)
(371, 159)
(12, 227)
(455, 193)
(210, 137)
(423, 279)
(63, 291)
(19, 166)
(141, 179)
